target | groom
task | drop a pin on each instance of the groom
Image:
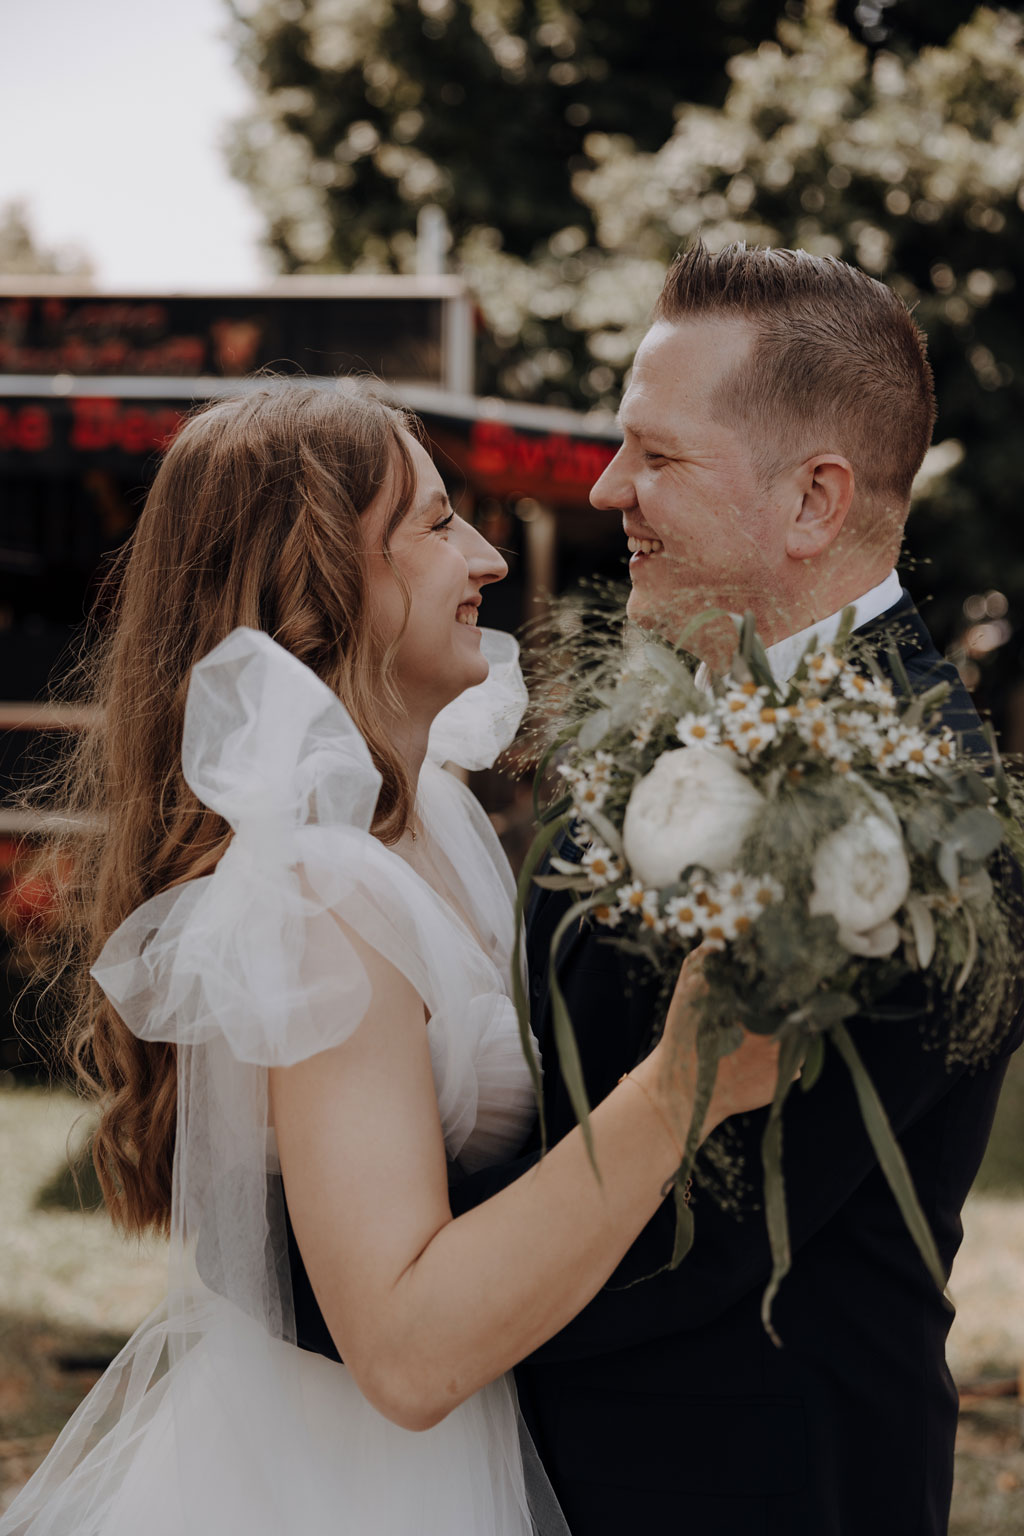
(777, 412)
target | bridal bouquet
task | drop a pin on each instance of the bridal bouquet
(824, 839)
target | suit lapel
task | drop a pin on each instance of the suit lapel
(903, 628)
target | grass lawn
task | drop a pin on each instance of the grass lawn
(71, 1291)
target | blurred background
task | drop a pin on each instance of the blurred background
(477, 200)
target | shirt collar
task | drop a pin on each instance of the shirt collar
(784, 656)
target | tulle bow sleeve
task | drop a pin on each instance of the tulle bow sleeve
(474, 728)
(251, 952)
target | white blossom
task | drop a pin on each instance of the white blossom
(608, 916)
(698, 730)
(682, 917)
(635, 901)
(824, 666)
(860, 873)
(694, 807)
(601, 865)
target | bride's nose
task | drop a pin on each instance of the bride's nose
(484, 561)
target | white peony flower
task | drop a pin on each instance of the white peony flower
(861, 877)
(694, 807)
(875, 943)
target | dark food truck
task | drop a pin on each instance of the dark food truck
(93, 386)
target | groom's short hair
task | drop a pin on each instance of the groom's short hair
(837, 363)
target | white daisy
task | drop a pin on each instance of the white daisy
(682, 917)
(607, 916)
(698, 730)
(601, 865)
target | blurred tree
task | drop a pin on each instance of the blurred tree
(370, 109)
(20, 252)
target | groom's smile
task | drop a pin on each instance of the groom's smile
(700, 529)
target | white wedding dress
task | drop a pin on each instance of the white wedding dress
(211, 1422)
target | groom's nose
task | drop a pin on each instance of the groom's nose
(613, 491)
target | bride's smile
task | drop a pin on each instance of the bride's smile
(426, 571)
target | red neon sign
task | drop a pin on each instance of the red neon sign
(518, 463)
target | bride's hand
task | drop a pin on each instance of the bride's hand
(746, 1077)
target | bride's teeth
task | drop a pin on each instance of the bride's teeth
(644, 546)
(466, 615)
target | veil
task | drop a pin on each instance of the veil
(208, 1421)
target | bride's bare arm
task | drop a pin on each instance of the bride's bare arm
(425, 1309)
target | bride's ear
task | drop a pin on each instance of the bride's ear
(825, 486)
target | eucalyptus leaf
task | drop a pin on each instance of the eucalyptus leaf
(947, 862)
(899, 671)
(540, 845)
(707, 1072)
(847, 619)
(923, 704)
(1002, 783)
(562, 882)
(556, 811)
(697, 623)
(923, 926)
(569, 1061)
(754, 654)
(673, 670)
(972, 952)
(813, 1062)
(890, 1158)
(977, 887)
(871, 662)
(683, 1241)
(594, 729)
(979, 791)
(926, 827)
(829, 1008)
(976, 833)
(791, 1052)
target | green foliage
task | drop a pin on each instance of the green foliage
(480, 106)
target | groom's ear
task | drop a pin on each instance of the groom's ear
(822, 494)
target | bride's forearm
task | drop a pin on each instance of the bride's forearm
(426, 1309)
(501, 1279)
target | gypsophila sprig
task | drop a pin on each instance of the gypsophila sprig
(825, 839)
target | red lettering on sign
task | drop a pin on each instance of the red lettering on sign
(92, 424)
(27, 428)
(34, 429)
(532, 465)
(103, 425)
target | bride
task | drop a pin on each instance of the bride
(291, 935)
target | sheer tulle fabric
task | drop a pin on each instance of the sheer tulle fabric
(211, 1420)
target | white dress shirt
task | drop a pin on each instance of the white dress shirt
(784, 656)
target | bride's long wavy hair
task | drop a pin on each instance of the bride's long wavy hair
(253, 518)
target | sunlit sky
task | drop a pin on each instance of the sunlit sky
(112, 114)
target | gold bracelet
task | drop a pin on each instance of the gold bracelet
(652, 1101)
